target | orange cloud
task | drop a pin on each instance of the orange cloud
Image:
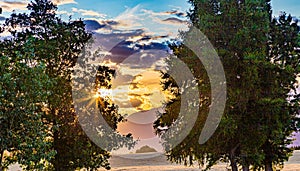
(9, 6)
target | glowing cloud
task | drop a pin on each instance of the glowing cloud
(88, 13)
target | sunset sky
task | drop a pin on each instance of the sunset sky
(135, 32)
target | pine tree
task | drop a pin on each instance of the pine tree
(281, 98)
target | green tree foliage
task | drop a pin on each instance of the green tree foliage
(281, 102)
(24, 89)
(296, 148)
(37, 62)
(261, 65)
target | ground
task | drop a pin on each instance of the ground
(158, 162)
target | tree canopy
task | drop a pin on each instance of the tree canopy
(261, 66)
(39, 126)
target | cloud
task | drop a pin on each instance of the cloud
(146, 92)
(128, 13)
(92, 25)
(63, 12)
(135, 102)
(164, 13)
(120, 79)
(135, 82)
(63, 2)
(177, 13)
(154, 23)
(129, 103)
(142, 53)
(146, 95)
(174, 21)
(2, 18)
(134, 42)
(9, 6)
(140, 101)
(88, 13)
(132, 50)
(129, 19)
(106, 25)
(108, 39)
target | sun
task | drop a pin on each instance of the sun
(104, 93)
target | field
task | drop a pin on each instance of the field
(158, 162)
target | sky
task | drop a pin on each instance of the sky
(142, 25)
(131, 34)
(289, 6)
(112, 9)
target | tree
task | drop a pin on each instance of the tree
(258, 87)
(282, 120)
(56, 45)
(24, 89)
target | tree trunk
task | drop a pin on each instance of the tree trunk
(55, 160)
(233, 164)
(246, 167)
(268, 166)
(56, 157)
(1, 157)
(268, 156)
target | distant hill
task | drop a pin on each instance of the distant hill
(146, 149)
